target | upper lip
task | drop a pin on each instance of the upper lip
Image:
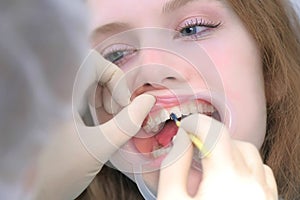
(169, 98)
(181, 106)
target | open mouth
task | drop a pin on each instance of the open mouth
(158, 130)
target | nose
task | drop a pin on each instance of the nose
(157, 69)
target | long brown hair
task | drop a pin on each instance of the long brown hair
(275, 27)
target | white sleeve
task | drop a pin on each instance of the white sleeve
(42, 44)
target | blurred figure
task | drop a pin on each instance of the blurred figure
(41, 47)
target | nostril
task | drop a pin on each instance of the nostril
(147, 85)
(170, 78)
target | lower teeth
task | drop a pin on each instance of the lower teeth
(160, 152)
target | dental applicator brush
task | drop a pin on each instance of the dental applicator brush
(195, 140)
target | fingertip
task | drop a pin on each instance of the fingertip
(126, 99)
(145, 98)
(98, 59)
(140, 107)
(130, 119)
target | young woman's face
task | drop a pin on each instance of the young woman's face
(227, 53)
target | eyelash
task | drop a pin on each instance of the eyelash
(128, 52)
(207, 25)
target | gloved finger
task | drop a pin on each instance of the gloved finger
(95, 99)
(113, 77)
(215, 138)
(103, 103)
(103, 140)
(175, 167)
(95, 105)
(270, 180)
(110, 105)
(251, 158)
(96, 108)
(94, 70)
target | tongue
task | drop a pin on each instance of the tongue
(162, 139)
(165, 136)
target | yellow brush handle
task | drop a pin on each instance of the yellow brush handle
(177, 122)
(199, 144)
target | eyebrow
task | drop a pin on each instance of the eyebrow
(116, 27)
(173, 5)
(109, 28)
(112, 27)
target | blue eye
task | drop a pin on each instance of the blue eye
(191, 30)
(114, 56)
(195, 29)
(118, 53)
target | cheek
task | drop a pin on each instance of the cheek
(239, 64)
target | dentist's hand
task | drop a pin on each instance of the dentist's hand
(233, 170)
(77, 153)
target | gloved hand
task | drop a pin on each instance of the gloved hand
(77, 153)
(233, 169)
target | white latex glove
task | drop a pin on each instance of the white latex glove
(233, 170)
(77, 154)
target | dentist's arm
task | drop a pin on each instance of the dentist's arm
(77, 153)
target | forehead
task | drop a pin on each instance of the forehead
(113, 16)
(103, 10)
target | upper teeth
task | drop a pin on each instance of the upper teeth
(155, 120)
